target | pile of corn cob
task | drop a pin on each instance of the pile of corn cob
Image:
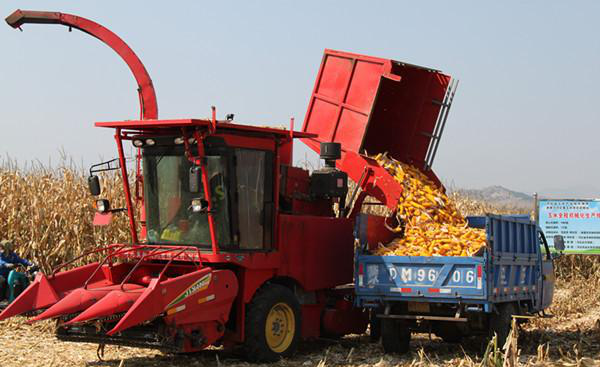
(430, 224)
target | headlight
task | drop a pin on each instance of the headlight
(102, 205)
(199, 205)
(138, 143)
(150, 142)
(179, 140)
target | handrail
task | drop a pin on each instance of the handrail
(96, 250)
(106, 258)
(122, 249)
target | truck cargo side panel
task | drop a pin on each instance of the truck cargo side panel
(515, 259)
(421, 278)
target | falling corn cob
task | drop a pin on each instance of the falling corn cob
(430, 223)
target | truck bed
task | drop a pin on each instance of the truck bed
(435, 277)
(508, 269)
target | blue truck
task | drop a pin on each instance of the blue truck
(454, 297)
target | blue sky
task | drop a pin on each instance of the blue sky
(525, 116)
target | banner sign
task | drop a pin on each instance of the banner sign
(578, 221)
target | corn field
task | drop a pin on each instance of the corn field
(48, 213)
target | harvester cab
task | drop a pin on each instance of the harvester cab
(231, 243)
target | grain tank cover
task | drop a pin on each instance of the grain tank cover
(373, 105)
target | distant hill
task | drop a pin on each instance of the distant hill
(499, 196)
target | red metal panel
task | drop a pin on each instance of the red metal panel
(364, 84)
(297, 181)
(377, 233)
(404, 115)
(318, 252)
(311, 320)
(351, 123)
(372, 105)
(377, 182)
(250, 142)
(336, 75)
(342, 98)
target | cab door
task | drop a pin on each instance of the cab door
(254, 198)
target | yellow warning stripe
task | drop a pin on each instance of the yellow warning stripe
(176, 309)
(206, 299)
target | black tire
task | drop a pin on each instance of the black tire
(449, 332)
(275, 303)
(374, 328)
(501, 322)
(18, 287)
(395, 336)
(452, 338)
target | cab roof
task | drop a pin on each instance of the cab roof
(160, 125)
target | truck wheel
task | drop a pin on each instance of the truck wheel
(374, 328)
(395, 336)
(451, 338)
(449, 332)
(272, 324)
(501, 322)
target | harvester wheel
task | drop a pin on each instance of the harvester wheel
(272, 324)
(501, 322)
(395, 336)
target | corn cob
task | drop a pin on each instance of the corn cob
(429, 222)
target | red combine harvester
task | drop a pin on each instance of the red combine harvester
(232, 245)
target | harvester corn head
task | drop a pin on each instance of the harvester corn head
(124, 300)
(230, 243)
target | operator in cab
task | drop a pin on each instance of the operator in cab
(8, 261)
(187, 226)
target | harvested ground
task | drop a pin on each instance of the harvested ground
(570, 338)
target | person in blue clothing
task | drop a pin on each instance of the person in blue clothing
(8, 260)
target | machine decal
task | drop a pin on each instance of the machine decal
(198, 286)
(206, 299)
(175, 310)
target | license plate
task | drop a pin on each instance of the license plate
(418, 307)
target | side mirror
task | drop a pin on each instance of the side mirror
(94, 185)
(195, 179)
(102, 205)
(559, 243)
(199, 206)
